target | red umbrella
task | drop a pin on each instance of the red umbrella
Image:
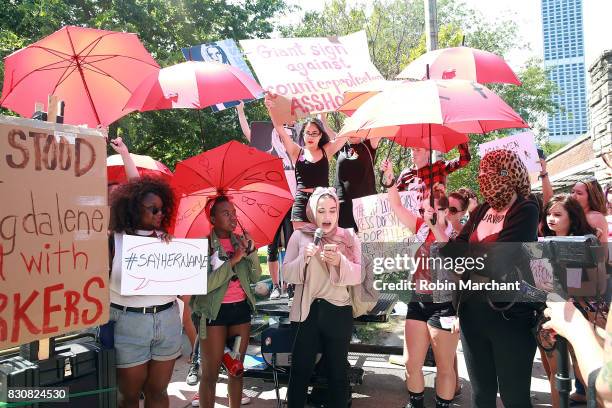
(193, 84)
(408, 111)
(146, 165)
(93, 71)
(461, 63)
(253, 180)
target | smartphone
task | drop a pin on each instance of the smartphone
(330, 247)
(541, 154)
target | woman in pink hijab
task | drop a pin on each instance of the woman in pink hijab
(322, 307)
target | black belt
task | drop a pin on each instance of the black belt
(144, 310)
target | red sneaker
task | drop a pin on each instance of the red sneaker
(195, 401)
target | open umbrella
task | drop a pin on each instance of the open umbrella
(93, 71)
(194, 85)
(146, 165)
(431, 113)
(355, 97)
(461, 63)
(253, 180)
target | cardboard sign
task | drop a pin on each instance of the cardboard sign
(53, 230)
(225, 52)
(376, 220)
(521, 143)
(312, 73)
(150, 266)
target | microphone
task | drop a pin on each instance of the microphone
(317, 239)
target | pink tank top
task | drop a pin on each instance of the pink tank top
(234, 293)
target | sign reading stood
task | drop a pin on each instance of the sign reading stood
(152, 267)
(53, 230)
(312, 73)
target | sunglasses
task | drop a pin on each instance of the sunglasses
(154, 210)
(453, 210)
(314, 134)
(422, 210)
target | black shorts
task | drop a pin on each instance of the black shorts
(298, 211)
(232, 314)
(430, 313)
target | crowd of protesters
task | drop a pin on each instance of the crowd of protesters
(498, 343)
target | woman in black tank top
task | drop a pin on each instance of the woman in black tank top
(311, 162)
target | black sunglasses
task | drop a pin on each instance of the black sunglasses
(453, 210)
(154, 210)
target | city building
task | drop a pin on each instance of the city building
(562, 26)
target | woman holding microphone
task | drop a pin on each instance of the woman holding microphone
(321, 307)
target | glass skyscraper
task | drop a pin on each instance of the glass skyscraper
(564, 57)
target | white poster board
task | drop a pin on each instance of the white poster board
(312, 73)
(521, 143)
(152, 267)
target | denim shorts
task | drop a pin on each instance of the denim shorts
(141, 337)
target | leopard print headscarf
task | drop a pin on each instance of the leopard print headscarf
(502, 172)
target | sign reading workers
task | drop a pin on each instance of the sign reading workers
(53, 230)
(150, 266)
(312, 73)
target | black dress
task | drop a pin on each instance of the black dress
(354, 178)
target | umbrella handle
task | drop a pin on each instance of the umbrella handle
(382, 180)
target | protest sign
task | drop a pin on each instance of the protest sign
(265, 138)
(53, 230)
(312, 73)
(225, 52)
(521, 143)
(150, 266)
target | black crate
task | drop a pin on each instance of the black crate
(82, 366)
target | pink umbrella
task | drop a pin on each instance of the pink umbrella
(193, 84)
(93, 71)
(146, 165)
(461, 63)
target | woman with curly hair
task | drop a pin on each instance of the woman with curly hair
(147, 328)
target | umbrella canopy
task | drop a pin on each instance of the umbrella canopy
(253, 180)
(93, 71)
(193, 84)
(444, 109)
(461, 63)
(355, 97)
(146, 165)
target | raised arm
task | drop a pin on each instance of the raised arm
(406, 217)
(244, 124)
(461, 161)
(131, 171)
(292, 148)
(547, 190)
(335, 143)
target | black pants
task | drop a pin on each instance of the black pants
(327, 329)
(499, 350)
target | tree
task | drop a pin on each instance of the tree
(164, 27)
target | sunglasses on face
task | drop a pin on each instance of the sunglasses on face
(314, 134)
(453, 210)
(154, 210)
(422, 210)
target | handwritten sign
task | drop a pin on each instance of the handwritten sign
(225, 52)
(152, 267)
(53, 230)
(521, 143)
(312, 73)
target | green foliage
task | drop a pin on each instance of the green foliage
(164, 27)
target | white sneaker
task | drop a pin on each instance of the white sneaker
(244, 401)
(276, 292)
(195, 401)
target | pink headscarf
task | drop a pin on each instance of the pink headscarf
(345, 241)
